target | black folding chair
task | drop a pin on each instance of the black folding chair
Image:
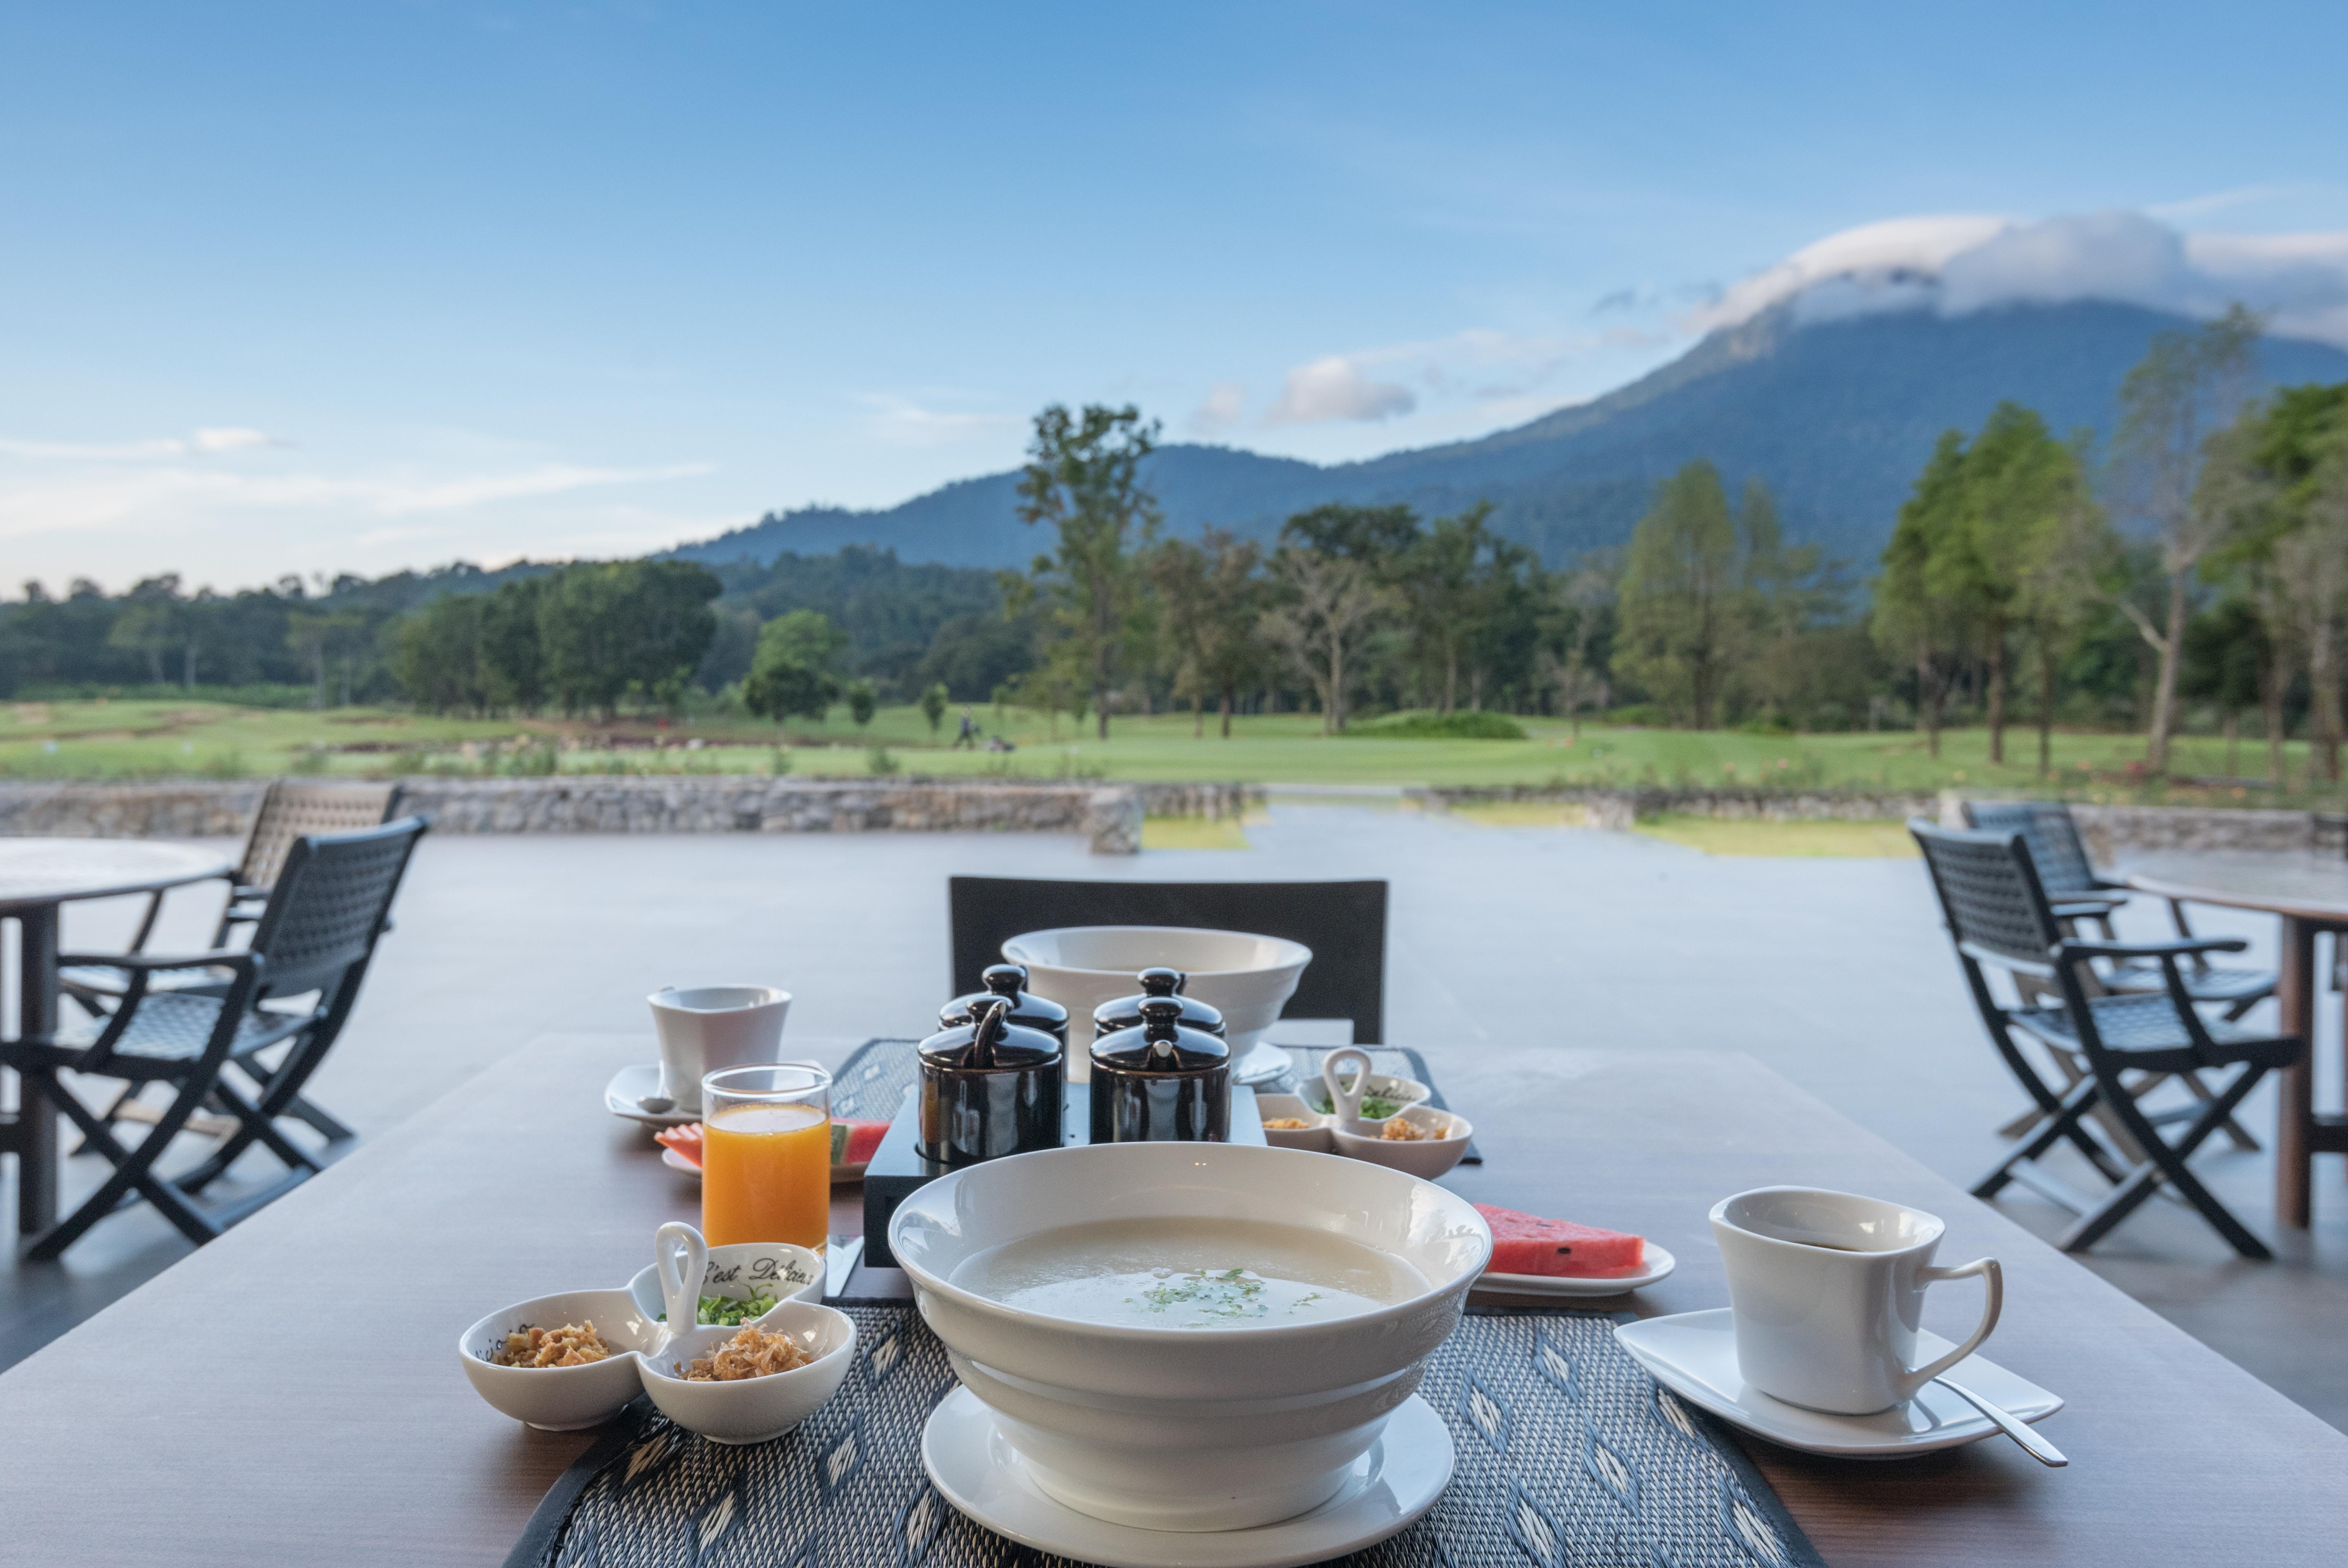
(290, 810)
(1999, 917)
(1344, 924)
(2079, 892)
(312, 939)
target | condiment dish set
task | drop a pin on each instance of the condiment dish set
(649, 1354)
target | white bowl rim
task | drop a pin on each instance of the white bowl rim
(482, 1325)
(1467, 1129)
(827, 1314)
(990, 1307)
(1295, 953)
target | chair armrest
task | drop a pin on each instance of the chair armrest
(2177, 948)
(226, 958)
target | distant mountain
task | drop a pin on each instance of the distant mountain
(1837, 417)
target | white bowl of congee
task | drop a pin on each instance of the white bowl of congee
(1188, 1336)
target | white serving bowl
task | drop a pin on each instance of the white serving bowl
(1247, 978)
(753, 1409)
(1425, 1158)
(1405, 1092)
(739, 1270)
(1168, 1428)
(562, 1398)
(1315, 1136)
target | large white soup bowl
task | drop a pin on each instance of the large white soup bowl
(1190, 1429)
(1248, 979)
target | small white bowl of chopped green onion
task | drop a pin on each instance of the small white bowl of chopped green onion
(745, 1281)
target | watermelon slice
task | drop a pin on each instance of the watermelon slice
(853, 1143)
(1526, 1244)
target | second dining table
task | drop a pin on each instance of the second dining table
(2309, 894)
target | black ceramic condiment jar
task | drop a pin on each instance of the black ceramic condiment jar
(1125, 1011)
(1161, 1082)
(1028, 1010)
(990, 1088)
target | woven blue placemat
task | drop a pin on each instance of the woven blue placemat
(1569, 1454)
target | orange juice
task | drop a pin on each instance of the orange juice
(766, 1174)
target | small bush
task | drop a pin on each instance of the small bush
(879, 763)
(1437, 727)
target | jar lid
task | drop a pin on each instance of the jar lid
(1125, 1012)
(1160, 1044)
(1008, 981)
(990, 1042)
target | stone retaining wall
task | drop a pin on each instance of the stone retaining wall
(1618, 808)
(1108, 816)
(2113, 831)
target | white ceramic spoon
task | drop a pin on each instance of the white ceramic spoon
(680, 1263)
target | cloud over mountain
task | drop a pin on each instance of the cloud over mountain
(1961, 262)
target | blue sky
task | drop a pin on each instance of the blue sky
(328, 287)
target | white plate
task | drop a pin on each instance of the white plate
(676, 1161)
(1693, 1354)
(1658, 1263)
(1392, 1485)
(630, 1085)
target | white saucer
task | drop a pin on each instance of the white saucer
(676, 1161)
(630, 1085)
(1693, 1354)
(1658, 1264)
(1391, 1486)
(1263, 1063)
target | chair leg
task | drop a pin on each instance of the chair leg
(2167, 1163)
(112, 1113)
(302, 1109)
(255, 1129)
(2234, 1131)
(2063, 1124)
(133, 1171)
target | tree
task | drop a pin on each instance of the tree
(513, 666)
(2018, 490)
(608, 627)
(1584, 599)
(791, 674)
(1439, 580)
(435, 655)
(2063, 562)
(2191, 384)
(933, 705)
(2227, 658)
(1910, 618)
(863, 701)
(1212, 598)
(149, 622)
(1083, 476)
(1326, 605)
(1682, 602)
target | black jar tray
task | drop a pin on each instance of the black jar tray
(898, 1170)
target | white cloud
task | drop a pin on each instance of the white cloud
(1225, 402)
(902, 422)
(1337, 387)
(1962, 262)
(203, 442)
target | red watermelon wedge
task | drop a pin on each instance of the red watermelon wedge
(1526, 1244)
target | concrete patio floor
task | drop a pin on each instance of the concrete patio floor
(1834, 973)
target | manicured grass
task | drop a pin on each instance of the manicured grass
(1823, 840)
(1523, 813)
(1192, 833)
(157, 739)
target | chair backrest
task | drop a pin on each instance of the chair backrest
(2047, 827)
(1344, 924)
(1991, 894)
(330, 904)
(293, 808)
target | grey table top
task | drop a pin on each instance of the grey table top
(42, 871)
(291, 1391)
(2309, 887)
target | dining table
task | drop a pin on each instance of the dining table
(2308, 893)
(291, 1392)
(38, 877)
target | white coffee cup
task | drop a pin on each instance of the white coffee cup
(707, 1028)
(1828, 1289)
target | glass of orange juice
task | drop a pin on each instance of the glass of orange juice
(766, 1154)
